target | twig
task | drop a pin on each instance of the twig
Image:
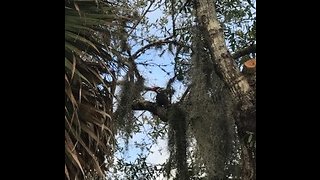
(157, 43)
(143, 15)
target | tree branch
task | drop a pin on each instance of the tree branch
(143, 15)
(161, 112)
(251, 4)
(244, 51)
(157, 43)
(240, 89)
(185, 94)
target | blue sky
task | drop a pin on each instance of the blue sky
(154, 77)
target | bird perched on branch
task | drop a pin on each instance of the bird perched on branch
(162, 98)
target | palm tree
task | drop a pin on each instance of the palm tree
(89, 139)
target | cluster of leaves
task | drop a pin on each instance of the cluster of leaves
(152, 129)
(238, 18)
(139, 169)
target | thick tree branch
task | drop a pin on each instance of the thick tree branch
(242, 93)
(222, 59)
(161, 112)
(242, 52)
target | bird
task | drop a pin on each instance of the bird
(162, 98)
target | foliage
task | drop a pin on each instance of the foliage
(217, 152)
(89, 49)
(210, 112)
(238, 18)
(139, 169)
(177, 142)
(130, 91)
(105, 41)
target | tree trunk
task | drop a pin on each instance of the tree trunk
(226, 68)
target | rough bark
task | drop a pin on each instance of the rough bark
(237, 82)
(241, 91)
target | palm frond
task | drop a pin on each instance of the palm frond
(88, 102)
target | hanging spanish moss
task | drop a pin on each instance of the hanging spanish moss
(130, 90)
(177, 142)
(210, 108)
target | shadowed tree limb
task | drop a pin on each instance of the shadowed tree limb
(244, 51)
(152, 107)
